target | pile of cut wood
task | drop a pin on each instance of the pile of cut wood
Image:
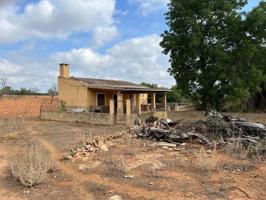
(168, 131)
(217, 129)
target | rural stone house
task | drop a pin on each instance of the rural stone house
(107, 101)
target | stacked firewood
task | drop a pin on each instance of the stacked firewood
(216, 130)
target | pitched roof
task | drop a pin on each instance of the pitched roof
(117, 85)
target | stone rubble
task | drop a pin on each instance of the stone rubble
(115, 197)
(94, 145)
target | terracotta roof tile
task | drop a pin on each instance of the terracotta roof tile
(117, 85)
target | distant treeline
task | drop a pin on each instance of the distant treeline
(7, 90)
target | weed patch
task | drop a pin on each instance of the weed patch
(31, 164)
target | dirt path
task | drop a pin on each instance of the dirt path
(81, 179)
(73, 182)
(5, 193)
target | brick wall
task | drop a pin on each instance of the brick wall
(15, 106)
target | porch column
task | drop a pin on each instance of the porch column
(128, 105)
(138, 103)
(153, 101)
(165, 101)
(112, 106)
(119, 103)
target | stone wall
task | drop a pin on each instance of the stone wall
(186, 116)
(130, 119)
(160, 114)
(91, 118)
(145, 115)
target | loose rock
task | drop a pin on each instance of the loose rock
(115, 197)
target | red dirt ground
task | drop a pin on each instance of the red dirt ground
(158, 173)
(16, 106)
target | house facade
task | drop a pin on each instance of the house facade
(119, 98)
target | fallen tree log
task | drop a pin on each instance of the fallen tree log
(171, 136)
(200, 137)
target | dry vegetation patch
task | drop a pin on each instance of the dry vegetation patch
(206, 161)
(115, 167)
(31, 164)
(99, 191)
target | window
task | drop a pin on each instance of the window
(149, 98)
(100, 99)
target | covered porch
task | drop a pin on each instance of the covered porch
(124, 104)
(137, 103)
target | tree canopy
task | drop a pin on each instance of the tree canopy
(217, 53)
(150, 85)
(173, 96)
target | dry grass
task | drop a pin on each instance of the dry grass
(31, 164)
(129, 153)
(12, 124)
(81, 134)
(98, 190)
(238, 150)
(260, 150)
(12, 136)
(115, 167)
(205, 161)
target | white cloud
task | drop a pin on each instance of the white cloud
(136, 60)
(10, 71)
(148, 6)
(103, 34)
(22, 71)
(83, 58)
(58, 19)
(7, 68)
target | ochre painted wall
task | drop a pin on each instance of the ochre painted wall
(91, 98)
(75, 94)
(144, 99)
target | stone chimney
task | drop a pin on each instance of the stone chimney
(64, 70)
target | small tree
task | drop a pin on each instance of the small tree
(35, 91)
(52, 91)
(3, 85)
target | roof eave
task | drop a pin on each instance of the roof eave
(124, 89)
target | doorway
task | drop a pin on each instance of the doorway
(100, 99)
(115, 102)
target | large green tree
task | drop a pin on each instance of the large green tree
(256, 27)
(212, 52)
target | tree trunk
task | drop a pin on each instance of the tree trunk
(52, 100)
(207, 108)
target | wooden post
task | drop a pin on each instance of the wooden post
(128, 106)
(165, 101)
(153, 101)
(138, 103)
(111, 106)
(119, 103)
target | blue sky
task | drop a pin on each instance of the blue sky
(114, 39)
